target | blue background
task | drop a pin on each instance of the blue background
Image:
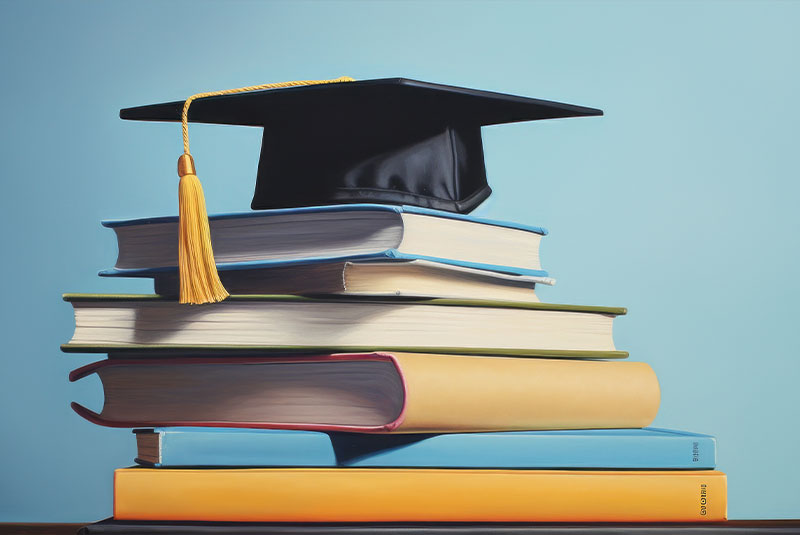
(680, 203)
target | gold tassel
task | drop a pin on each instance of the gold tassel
(199, 279)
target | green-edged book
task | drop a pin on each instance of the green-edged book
(270, 323)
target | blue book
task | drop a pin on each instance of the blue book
(648, 448)
(324, 234)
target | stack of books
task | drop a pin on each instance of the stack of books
(375, 363)
(396, 395)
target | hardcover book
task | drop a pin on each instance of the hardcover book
(339, 232)
(375, 393)
(397, 278)
(641, 449)
(108, 323)
(418, 495)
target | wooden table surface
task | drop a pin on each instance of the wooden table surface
(40, 529)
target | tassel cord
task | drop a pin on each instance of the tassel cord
(199, 279)
(276, 85)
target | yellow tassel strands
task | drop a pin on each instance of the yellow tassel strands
(199, 280)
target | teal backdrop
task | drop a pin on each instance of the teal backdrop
(681, 203)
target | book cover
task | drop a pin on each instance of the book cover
(418, 495)
(635, 449)
(359, 207)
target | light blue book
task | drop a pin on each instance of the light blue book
(325, 234)
(648, 448)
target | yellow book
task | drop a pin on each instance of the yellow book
(418, 495)
(375, 393)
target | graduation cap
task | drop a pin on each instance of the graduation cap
(391, 141)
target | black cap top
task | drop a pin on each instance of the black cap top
(392, 140)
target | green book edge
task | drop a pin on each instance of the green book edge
(613, 311)
(315, 350)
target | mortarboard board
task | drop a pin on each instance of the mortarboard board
(393, 140)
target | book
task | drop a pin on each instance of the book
(214, 446)
(375, 393)
(635, 449)
(418, 495)
(402, 278)
(730, 527)
(107, 323)
(642, 449)
(339, 232)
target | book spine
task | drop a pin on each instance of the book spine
(418, 495)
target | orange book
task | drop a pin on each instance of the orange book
(418, 495)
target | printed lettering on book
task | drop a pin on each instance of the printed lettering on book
(703, 499)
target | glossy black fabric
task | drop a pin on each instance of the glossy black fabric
(393, 141)
(440, 168)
